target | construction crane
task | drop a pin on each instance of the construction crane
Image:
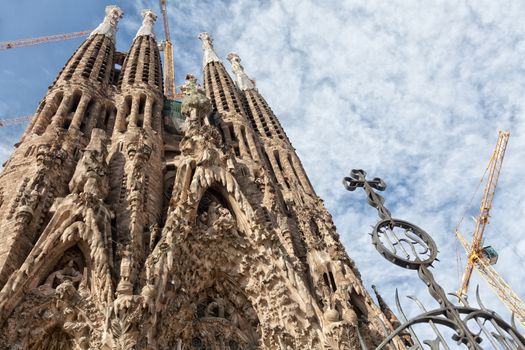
(15, 121)
(169, 70)
(482, 258)
(6, 45)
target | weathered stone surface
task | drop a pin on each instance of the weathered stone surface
(119, 232)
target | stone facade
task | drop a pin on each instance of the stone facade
(122, 231)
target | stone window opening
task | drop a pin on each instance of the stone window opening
(332, 281)
(127, 108)
(75, 100)
(115, 74)
(123, 189)
(157, 65)
(85, 118)
(54, 103)
(145, 67)
(245, 139)
(73, 105)
(280, 166)
(234, 139)
(108, 121)
(30, 150)
(359, 305)
(314, 228)
(142, 107)
(329, 279)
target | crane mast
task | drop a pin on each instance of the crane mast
(169, 72)
(6, 45)
(15, 121)
(494, 169)
(482, 258)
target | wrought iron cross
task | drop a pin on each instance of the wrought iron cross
(358, 179)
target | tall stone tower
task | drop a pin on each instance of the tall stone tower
(130, 221)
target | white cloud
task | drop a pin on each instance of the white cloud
(413, 92)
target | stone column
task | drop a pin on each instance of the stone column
(120, 119)
(44, 117)
(253, 147)
(60, 115)
(148, 113)
(81, 111)
(133, 115)
(240, 139)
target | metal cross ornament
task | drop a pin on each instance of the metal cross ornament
(358, 179)
(409, 246)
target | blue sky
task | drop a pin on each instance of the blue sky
(412, 91)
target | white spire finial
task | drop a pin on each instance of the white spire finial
(108, 27)
(243, 80)
(207, 47)
(149, 18)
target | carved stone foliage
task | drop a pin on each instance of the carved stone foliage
(67, 272)
(212, 312)
(59, 313)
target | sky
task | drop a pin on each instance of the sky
(411, 91)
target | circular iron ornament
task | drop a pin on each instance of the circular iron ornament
(413, 249)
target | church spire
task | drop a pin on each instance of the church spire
(243, 80)
(108, 27)
(207, 47)
(149, 18)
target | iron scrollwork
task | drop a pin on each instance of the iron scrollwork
(410, 247)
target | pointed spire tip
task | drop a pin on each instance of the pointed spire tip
(108, 27)
(243, 80)
(148, 22)
(207, 48)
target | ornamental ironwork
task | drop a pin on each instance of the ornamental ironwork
(449, 326)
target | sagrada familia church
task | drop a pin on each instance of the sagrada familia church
(131, 221)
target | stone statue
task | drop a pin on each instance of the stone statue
(68, 273)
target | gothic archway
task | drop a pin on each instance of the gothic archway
(224, 319)
(54, 314)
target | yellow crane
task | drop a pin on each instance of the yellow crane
(482, 258)
(169, 70)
